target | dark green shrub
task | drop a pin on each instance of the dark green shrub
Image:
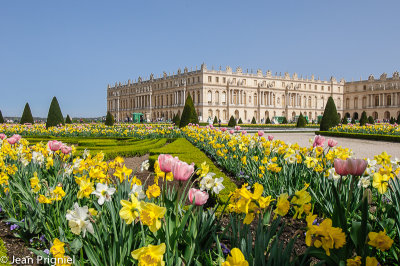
(240, 121)
(371, 120)
(232, 122)
(330, 117)
(392, 120)
(26, 115)
(176, 120)
(364, 118)
(284, 121)
(189, 114)
(68, 120)
(253, 121)
(398, 119)
(54, 117)
(109, 119)
(301, 121)
(215, 120)
(344, 121)
(353, 121)
(1, 118)
(268, 121)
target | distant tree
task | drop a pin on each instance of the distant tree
(284, 121)
(189, 114)
(1, 118)
(268, 121)
(301, 121)
(253, 121)
(240, 121)
(330, 117)
(215, 120)
(109, 119)
(68, 120)
(54, 117)
(232, 122)
(26, 115)
(363, 119)
(371, 120)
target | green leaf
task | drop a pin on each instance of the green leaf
(76, 245)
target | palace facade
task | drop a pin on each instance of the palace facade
(380, 98)
(225, 93)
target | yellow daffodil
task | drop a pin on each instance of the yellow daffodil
(380, 240)
(153, 191)
(150, 215)
(235, 258)
(150, 255)
(130, 209)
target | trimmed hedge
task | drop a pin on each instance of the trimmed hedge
(3, 253)
(186, 152)
(391, 138)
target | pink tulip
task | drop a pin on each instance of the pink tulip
(356, 167)
(18, 137)
(231, 131)
(54, 145)
(244, 132)
(12, 140)
(318, 141)
(223, 129)
(270, 137)
(66, 149)
(200, 197)
(340, 167)
(182, 171)
(260, 133)
(332, 143)
(166, 162)
(3, 136)
(237, 128)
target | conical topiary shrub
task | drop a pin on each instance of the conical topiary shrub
(392, 120)
(1, 118)
(398, 119)
(232, 122)
(215, 120)
(363, 119)
(353, 121)
(26, 115)
(284, 121)
(330, 117)
(189, 114)
(301, 121)
(268, 121)
(371, 120)
(344, 121)
(240, 121)
(109, 119)
(253, 121)
(68, 120)
(54, 117)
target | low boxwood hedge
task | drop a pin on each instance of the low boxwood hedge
(3, 253)
(186, 152)
(391, 138)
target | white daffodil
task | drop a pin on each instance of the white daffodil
(78, 220)
(138, 192)
(37, 157)
(145, 165)
(291, 159)
(364, 182)
(395, 164)
(24, 161)
(86, 153)
(207, 182)
(371, 163)
(67, 170)
(103, 192)
(218, 186)
(332, 174)
(77, 164)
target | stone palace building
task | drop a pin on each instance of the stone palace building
(224, 93)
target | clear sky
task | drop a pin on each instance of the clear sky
(73, 49)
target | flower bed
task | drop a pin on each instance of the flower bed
(378, 129)
(378, 137)
(94, 212)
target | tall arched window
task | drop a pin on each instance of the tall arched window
(209, 97)
(223, 98)
(217, 97)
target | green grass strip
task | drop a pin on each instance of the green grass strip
(3, 253)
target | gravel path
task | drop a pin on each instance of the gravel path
(361, 148)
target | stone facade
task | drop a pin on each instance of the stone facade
(225, 93)
(380, 98)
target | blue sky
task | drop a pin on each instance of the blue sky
(73, 49)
